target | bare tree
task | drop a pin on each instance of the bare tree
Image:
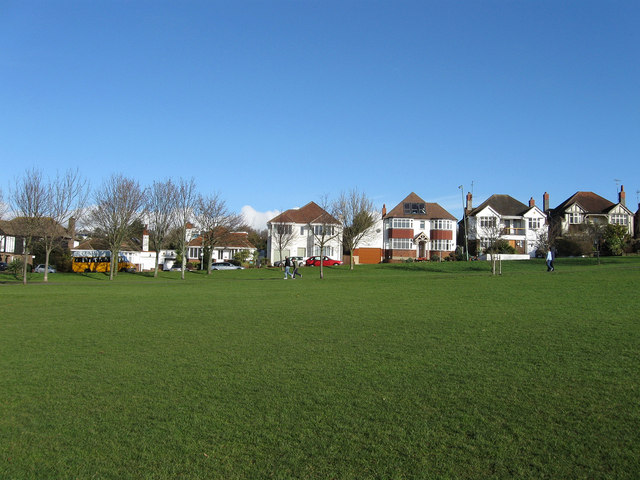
(67, 196)
(216, 223)
(356, 214)
(282, 234)
(161, 212)
(28, 200)
(186, 201)
(119, 202)
(325, 229)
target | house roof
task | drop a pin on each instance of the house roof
(589, 201)
(310, 213)
(19, 225)
(432, 210)
(505, 205)
(101, 244)
(231, 240)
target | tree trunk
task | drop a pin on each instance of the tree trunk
(155, 272)
(24, 267)
(351, 262)
(46, 265)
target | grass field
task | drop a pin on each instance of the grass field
(392, 371)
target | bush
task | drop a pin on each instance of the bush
(574, 246)
(15, 266)
(235, 262)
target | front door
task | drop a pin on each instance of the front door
(422, 249)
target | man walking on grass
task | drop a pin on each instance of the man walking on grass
(287, 268)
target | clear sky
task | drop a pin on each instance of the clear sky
(276, 103)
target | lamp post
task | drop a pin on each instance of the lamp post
(464, 222)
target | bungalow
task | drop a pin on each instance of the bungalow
(232, 243)
(502, 217)
(301, 231)
(415, 229)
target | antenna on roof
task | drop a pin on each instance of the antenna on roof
(471, 187)
(617, 184)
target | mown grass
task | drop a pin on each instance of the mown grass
(392, 371)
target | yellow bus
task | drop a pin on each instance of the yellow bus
(98, 261)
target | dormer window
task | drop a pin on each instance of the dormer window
(414, 208)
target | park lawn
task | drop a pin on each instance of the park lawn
(390, 371)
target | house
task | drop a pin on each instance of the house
(502, 217)
(583, 208)
(13, 235)
(415, 229)
(301, 231)
(231, 243)
(11, 242)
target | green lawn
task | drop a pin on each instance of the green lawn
(391, 371)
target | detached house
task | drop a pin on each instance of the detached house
(502, 217)
(230, 244)
(300, 231)
(583, 208)
(418, 230)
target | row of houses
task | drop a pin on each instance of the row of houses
(413, 229)
(416, 229)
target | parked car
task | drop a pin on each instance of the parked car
(299, 261)
(315, 261)
(3, 266)
(40, 269)
(225, 266)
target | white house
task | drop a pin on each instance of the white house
(502, 217)
(300, 231)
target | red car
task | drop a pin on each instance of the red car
(326, 261)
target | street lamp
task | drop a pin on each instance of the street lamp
(464, 221)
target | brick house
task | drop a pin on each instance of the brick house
(415, 229)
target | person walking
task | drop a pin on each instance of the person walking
(296, 265)
(550, 261)
(287, 268)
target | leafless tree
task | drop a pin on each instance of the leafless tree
(282, 234)
(355, 212)
(161, 212)
(119, 202)
(28, 200)
(325, 228)
(186, 201)
(216, 223)
(67, 197)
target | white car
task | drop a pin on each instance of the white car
(225, 266)
(40, 269)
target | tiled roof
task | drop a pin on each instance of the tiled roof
(505, 205)
(589, 201)
(432, 210)
(310, 213)
(230, 240)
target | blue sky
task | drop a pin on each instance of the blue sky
(276, 103)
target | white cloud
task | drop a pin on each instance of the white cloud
(255, 219)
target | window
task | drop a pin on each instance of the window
(327, 250)
(402, 243)
(319, 230)
(282, 229)
(301, 231)
(441, 245)
(535, 223)
(441, 224)
(619, 219)
(575, 218)
(488, 222)
(402, 223)
(421, 224)
(414, 208)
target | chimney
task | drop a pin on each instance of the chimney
(71, 231)
(622, 196)
(545, 202)
(145, 239)
(532, 202)
(384, 209)
(469, 202)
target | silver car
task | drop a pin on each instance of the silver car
(225, 266)
(40, 269)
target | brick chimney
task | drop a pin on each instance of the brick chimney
(545, 202)
(622, 196)
(469, 206)
(145, 239)
(384, 209)
(532, 202)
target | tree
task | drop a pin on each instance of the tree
(66, 199)
(161, 211)
(186, 200)
(325, 228)
(119, 202)
(614, 238)
(29, 199)
(356, 213)
(216, 223)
